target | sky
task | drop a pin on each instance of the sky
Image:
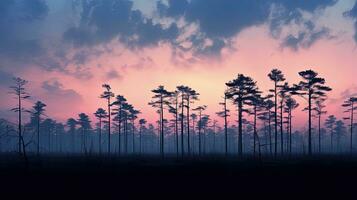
(67, 49)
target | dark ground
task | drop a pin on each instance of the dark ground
(50, 177)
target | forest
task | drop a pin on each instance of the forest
(260, 148)
(262, 124)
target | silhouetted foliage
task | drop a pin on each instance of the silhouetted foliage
(276, 76)
(242, 90)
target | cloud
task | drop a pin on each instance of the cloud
(54, 90)
(65, 36)
(5, 78)
(113, 74)
(353, 14)
(219, 21)
(19, 37)
(105, 20)
(305, 39)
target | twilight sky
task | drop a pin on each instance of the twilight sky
(68, 48)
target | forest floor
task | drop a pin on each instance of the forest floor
(56, 176)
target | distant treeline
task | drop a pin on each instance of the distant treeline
(264, 124)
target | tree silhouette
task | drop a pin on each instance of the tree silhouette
(118, 112)
(276, 76)
(224, 114)
(266, 116)
(133, 115)
(319, 108)
(72, 123)
(330, 124)
(284, 90)
(19, 91)
(200, 109)
(257, 103)
(84, 124)
(37, 111)
(339, 130)
(290, 105)
(126, 109)
(108, 94)
(100, 114)
(241, 90)
(160, 99)
(174, 111)
(349, 104)
(188, 95)
(142, 123)
(194, 118)
(313, 87)
(191, 95)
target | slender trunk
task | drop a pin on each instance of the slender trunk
(126, 135)
(133, 142)
(100, 136)
(310, 147)
(281, 128)
(225, 126)
(276, 120)
(199, 134)
(182, 105)
(269, 129)
(319, 133)
(162, 128)
(188, 125)
(109, 125)
(290, 131)
(119, 130)
(331, 144)
(351, 143)
(193, 136)
(240, 128)
(176, 127)
(255, 129)
(141, 127)
(20, 125)
(38, 134)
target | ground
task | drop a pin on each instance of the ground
(114, 177)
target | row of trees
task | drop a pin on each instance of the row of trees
(268, 118)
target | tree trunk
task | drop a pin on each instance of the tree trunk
(119, 131)
(310, 147)
(225, 126)
(255, 129)
(176, 128)
(188, 126)
(38, 134)
(240, 128)
(199, 134)
(319, 133)
(100, 136)
(276, 120)
(109, 125)
(281, 128)
(182, 146)
(351, 137)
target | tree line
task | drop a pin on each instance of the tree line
(264, 123)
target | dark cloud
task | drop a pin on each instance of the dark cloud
(113, 74)
(54, 91)
(19, 37)
(353, 14)
(5, 78)
(104, 20)
(305, 38)
(220, 20)
(25, 39)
